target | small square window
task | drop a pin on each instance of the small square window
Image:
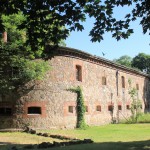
(98, 108)
(110, 108)
(127, 107)
(70, 109)
(34, 110)
(119, 107)
(5, 111)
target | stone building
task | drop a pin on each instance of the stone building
(49, 104)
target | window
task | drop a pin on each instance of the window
(5, 111)
(98, 108)
(103, 80)
(34, 110)
(110, 108)
(70, 109)
(119, 107)
(137, 86)
(78, 73)
(127, 107)
(123, 81)
(86, 108)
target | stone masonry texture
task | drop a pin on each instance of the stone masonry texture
(53, 96)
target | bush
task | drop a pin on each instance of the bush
(142, 118)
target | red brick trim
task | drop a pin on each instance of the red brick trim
(128, 103)
(35, 104)
(119, 103)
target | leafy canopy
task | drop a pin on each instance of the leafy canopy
(71, 13)
(141, 62)
(124, 60)
(16, 65)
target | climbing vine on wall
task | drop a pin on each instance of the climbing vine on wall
(80, 108)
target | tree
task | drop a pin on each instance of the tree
(124, 60)
(16, 65)
(136, 104)
(142, 62)
(71, 13)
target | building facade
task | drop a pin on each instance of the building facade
(50, 104)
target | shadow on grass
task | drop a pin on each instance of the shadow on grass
(135, 145)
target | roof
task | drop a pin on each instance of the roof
(100, 59)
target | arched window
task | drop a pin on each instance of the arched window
(137, 86)
(103, 80)
(78, 73)
(123, 81)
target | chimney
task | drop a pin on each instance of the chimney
(5, 37)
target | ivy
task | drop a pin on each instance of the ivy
(81, 124)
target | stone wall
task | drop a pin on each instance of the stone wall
(53, 97)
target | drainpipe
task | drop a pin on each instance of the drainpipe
(117, 73)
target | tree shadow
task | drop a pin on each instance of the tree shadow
(134, 145)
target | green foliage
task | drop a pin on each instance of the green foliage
(142, 118)
(40, 14)
(80, 108)
(16, 59)
(124, 60)
(17, 70)
(142, 62)
(136, 103)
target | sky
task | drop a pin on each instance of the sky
(135, 44)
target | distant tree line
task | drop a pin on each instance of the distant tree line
(140, 62)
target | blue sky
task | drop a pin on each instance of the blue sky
(136, 43)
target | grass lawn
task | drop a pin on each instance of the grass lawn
(108, 137)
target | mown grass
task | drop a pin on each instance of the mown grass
(108, 137)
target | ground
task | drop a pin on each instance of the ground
(114, 137)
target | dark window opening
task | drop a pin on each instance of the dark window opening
(110, 108)
(98, 108)
(123, 81)
(70, 109)
(137, 86)
(78, 73)
(103, 80)
(146, 106)
(86, 108)
(119, 107)
(127, 107)
(5, 111)
(34, 110)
